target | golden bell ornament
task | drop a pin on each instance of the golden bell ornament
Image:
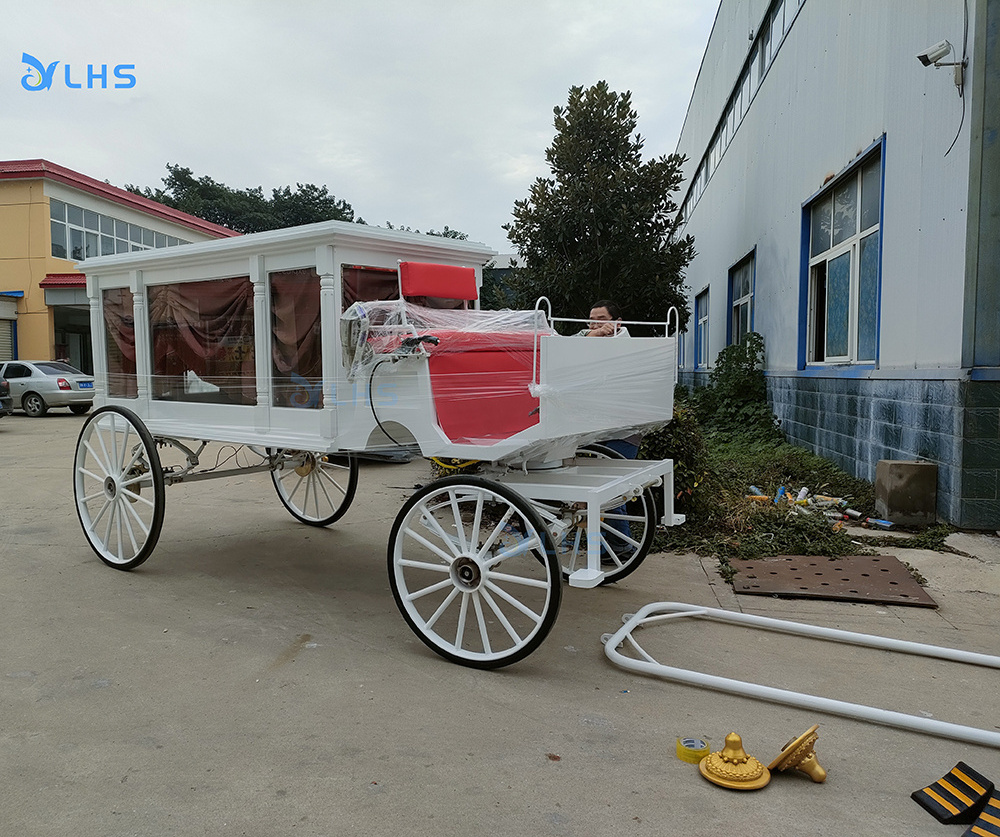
(732, 768)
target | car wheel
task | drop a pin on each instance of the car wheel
(79, 409)
(34, 405)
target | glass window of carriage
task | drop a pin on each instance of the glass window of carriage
(844, 267)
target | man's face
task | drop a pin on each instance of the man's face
(599, 316)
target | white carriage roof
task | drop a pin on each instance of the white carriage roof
(336, 233)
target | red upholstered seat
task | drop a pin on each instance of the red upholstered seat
(481, 390)
(445, 281)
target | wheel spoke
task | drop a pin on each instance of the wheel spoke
(93, 476)
(516, 549)
(422, 540)
(97, 459)
(138, 519)
(433, 588)
(431, 522)
(620, 535)
(484, 634)
(507, 597)
(128, 524)
(541, 584)
(497, 530)
(514, 635)
(463, 612)
(430, 623)
(459, 527)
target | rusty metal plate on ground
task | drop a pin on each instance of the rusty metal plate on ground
(867, 578)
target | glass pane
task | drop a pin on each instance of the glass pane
(744, 320)
(121, 229)
(135, 233)
(203, 341)
(57, 210)
(58, 240)
(296, 358)
(161, 240)
(777, 26)
(171, 241)
(107, 225)
(119, 330)
(868, 297)
(821, 225)
(121, 246)
(148, 237)
(74, 215)
(93, 244)
(871, 189)
(754, 71)
(76, 244)
(107, 245)
(91, 220)
(845, 210)
(838, 298)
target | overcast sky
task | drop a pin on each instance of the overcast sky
(424, 113)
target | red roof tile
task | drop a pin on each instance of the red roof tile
(63, 280)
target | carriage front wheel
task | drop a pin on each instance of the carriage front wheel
(119, 487)
(317, 488)
(473, 571)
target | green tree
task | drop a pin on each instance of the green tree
(246, 210)
(604, 224)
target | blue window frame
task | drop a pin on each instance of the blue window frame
(844, 263)
(741, 282)
(701, 330)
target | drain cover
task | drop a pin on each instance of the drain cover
(868, 578)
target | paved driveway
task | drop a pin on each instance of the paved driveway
(254, 678)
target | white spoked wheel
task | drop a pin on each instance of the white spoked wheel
(317, 488)
(119, 488)
(473, 572)
(626, 530)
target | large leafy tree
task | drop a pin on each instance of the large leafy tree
(246, 210)
(604, 224)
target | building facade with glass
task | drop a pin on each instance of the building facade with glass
(51, 218)
(844, 198)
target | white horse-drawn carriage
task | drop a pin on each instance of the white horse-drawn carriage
(312, 345)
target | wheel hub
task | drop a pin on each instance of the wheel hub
(110, 488)
(466, 573)
(306, 468)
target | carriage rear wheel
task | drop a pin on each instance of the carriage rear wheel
(473, 572)
(119, 487)
(626, 531)
(317, 488)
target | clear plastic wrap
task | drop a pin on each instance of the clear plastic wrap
(496, 375)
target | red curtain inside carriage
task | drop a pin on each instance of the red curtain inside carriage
(203, 341)
(119, 339)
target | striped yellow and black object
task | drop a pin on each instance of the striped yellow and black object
(958, 796)
(987, 824)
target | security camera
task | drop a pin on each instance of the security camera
(933, 54)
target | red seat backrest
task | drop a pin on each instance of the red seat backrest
(437, 280)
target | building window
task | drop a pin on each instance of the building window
(79, 234)
(741, 296)
(701, 330)
(844, 267)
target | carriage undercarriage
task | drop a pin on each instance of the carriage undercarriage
(475, 562)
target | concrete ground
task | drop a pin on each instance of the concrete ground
(255, 678)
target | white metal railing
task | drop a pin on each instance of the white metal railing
(664, 611)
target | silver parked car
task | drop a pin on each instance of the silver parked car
(36, 385)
